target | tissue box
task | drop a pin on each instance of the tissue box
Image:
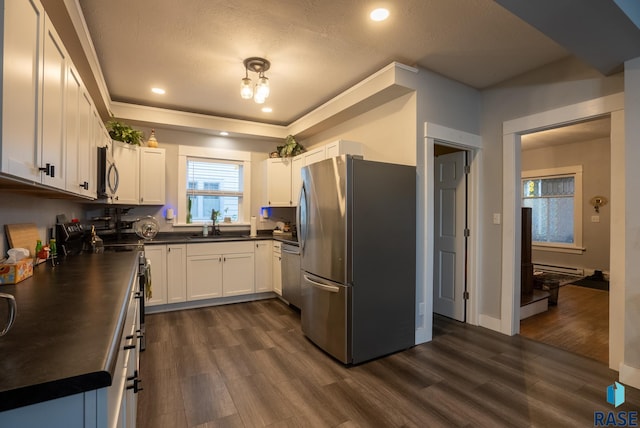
(16, 272)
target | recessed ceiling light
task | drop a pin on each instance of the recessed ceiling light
(224, 133)
(158, 91)
(267, 109)
(379, 14)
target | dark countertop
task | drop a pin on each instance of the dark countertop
(164, 238)
(68, 328)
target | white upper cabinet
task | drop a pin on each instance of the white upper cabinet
(81, 137)
(46, 112)
(21, 88)
(54, 76)
(278, 193)
(343, 147)
(152, 176)
(126, 158)
(313, 156)
(278, 183)
(142, 174)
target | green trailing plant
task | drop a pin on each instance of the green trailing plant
(290, 147)
(122, 132)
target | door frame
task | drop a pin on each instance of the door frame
(472, 143)
(511, 202)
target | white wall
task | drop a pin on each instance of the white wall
(560, 84)
(387, 132)
(595, 158)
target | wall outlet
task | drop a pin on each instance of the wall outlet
(595, 219)
(421, 308)
(496, 218)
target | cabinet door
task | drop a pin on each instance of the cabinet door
(176, 273)
(86, 157)
(296, 178)
(313, 156)
(277, 273)
(263, 266)
(126, 158)
(152, 176)
(53, 108)
(237, 274)
(21, 86)
(278, 183)
(204, 276)
(72, 120)
(157, 255)
(343, 147)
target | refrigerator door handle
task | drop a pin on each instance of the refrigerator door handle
(330, 288)
(302, 210)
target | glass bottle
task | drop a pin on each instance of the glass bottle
(38, 247)
(53, 250)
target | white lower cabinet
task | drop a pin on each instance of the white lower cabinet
(168, 273)
(157, 256)
(264, 266)
(277, 267)
(219, 269)
(204, 276)
(176, 273)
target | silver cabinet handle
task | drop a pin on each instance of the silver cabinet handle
(330, 288)
(11, 301)
(291, 252)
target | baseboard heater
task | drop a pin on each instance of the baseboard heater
(559, 269)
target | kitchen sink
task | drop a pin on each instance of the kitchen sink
(214, 238)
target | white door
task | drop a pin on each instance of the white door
(449, 244)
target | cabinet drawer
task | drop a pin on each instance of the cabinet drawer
(277, 246)
(208, 248)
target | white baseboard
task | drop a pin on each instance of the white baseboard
(490, 322)
(629, 375)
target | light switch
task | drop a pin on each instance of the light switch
(595, 219)
(496, 218)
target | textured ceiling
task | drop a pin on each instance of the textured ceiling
(318, 48)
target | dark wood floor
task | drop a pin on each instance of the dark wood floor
(249, 364)
(579, 323)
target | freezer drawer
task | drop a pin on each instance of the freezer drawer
(325, 320)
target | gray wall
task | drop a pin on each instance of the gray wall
(595, 158)
(19, 208)
(556, 85)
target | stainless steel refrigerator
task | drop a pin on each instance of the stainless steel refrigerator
(357, 233)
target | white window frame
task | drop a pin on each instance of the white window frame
(185, 152)
(576, 171)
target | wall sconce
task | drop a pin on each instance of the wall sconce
(261, 91)
(597, 202)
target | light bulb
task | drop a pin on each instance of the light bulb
(246, 91)
(258, 99)
(262, 88)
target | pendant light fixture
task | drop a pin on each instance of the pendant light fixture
(260, 92)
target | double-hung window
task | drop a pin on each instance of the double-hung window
(555, 197)
(213, 179)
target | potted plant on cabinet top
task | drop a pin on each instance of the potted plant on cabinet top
(290, 147)
(122, 132)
